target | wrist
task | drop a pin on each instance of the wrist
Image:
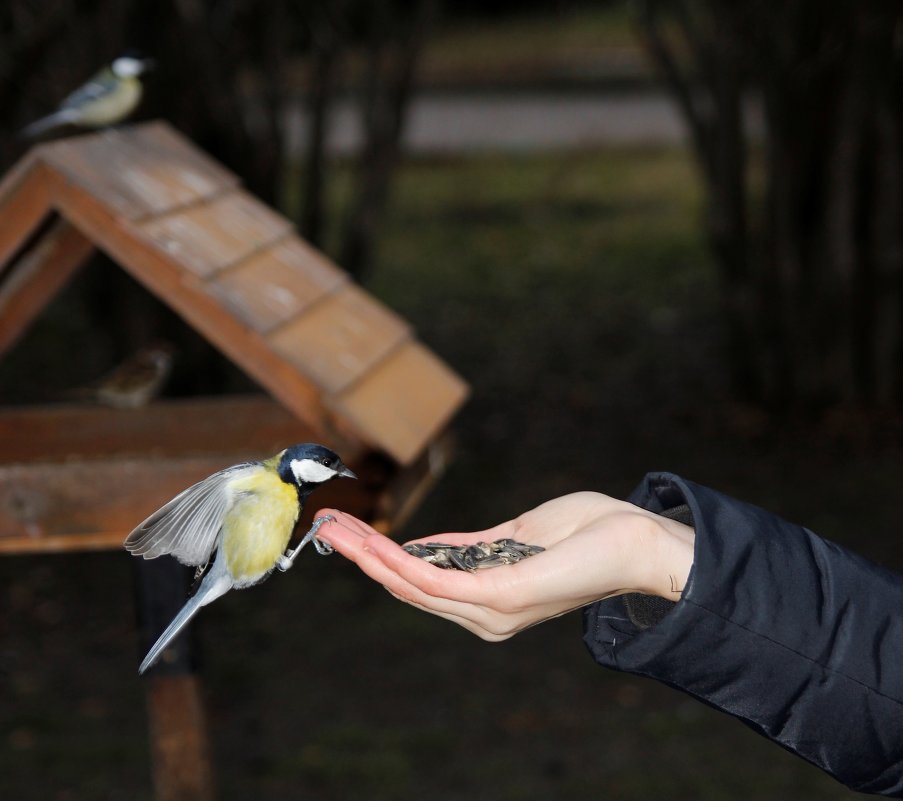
(666, 557)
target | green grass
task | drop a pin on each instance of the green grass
(501, 225)
(522, 232)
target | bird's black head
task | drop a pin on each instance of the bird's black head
(309, 465)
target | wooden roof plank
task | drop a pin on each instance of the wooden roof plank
(277, 284)
(100, 168)
(402, 423)
(140, 171)
(171, 147)
(210, 237)
(341, 338)
(37, 276)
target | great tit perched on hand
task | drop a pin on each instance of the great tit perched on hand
(243, 517)
(106, 99)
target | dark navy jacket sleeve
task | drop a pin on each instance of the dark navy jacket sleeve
(797, 637)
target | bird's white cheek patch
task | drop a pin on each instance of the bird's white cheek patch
(308, 470)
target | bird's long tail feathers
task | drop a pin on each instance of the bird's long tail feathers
(203, 597)
(41, 126)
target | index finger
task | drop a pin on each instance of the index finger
(387, 562)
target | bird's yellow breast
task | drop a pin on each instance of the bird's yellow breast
(115, 106)
(258, 527)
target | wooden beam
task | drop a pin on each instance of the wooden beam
(69, 505)
(251, 424)
(37, 276)
(24, 202)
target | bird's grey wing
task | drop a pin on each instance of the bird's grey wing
(187, 527)
(101, 85)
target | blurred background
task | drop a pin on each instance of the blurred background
(652, 235)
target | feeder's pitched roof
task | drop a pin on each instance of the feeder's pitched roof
(236, 270)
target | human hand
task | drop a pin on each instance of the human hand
(595, 547)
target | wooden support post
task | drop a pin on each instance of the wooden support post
(179, 744)
(180, 749)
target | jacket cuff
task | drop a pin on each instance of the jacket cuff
(778, 628)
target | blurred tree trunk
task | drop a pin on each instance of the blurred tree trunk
(325, 50)
(811, 267)
(394, 41)
(221, 79)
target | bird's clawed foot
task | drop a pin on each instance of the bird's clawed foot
(324, 549)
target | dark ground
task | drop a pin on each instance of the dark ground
(592, 362)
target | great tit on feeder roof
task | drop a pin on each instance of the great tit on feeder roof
(243, 517)
(106, 99)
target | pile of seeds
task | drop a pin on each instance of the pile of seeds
(473, 557)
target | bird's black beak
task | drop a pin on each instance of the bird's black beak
(346, 473)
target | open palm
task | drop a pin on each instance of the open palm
(596, 546)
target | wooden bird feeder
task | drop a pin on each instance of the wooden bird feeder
(340, 368)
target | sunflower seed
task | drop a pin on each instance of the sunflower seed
(473, 557)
